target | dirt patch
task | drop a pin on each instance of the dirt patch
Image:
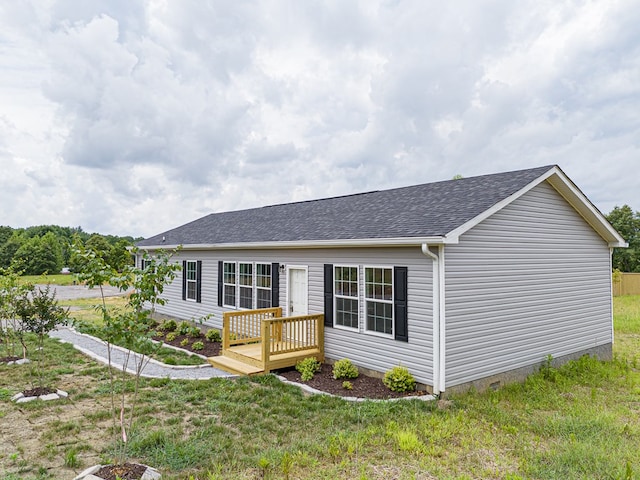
(36, 437)
(362, 387)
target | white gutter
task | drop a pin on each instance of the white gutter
(438, 317)
(360, 242)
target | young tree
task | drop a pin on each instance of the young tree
(129, 328)
(39, 313)
(11, 290)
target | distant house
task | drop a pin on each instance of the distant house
(466, 282)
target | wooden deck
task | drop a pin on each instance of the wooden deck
(258, 341)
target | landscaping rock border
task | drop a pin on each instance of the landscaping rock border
(22, 361)
(20, 398)
(88, 474)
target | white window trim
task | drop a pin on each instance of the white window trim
(366, 301)
(235, 285)
(357, 297)
(254, 283)
(240, 286)
(189, 281)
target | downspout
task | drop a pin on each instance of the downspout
(611, 299)
(438, 318)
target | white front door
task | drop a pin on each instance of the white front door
(299, 332)
(297, 293)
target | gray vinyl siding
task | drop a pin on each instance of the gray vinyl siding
(531, 280)
(364, 349)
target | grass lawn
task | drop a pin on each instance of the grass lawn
(57, 279)
(581, 421)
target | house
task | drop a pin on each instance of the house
(472, 281)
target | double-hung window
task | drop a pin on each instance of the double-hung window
(346, 296)
(378, 297)
(191, 280)
(229, 284)
(383, 291)
(247, 285)
(245, 278)
(263, 285)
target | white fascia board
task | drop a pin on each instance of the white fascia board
(572, 194)
(365, 242)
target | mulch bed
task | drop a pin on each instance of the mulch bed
(211, 349)
(363, 386)
(9, 359)
(126, 471)
(36, 392)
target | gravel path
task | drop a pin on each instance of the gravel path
(97, 349)
(73, 292)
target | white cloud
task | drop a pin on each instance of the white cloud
(135, 117)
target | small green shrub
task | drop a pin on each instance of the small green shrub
(347, 385)
(170, 361)
(344, 369)
(184, 342)
(194, 332)
(171, 336)
(199, 345)
(399, 379)
(213, 335)
(168, 326)
(183, 328)
(308, 368)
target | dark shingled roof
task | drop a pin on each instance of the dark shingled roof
(427, 210)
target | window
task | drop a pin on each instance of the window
(246, 285)
(378, 294)
(346, 296)
(145, 263)
(191, 280)
(229, 284)
(263, 285)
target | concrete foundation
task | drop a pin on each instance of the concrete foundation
(603, 352)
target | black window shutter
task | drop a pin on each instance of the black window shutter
(184, 279)
(328, 295)
(199, 281)
(220, 272)
(275, 284)
(400, 303)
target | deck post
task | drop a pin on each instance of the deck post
(320, 336)
(266, 344)
(225, 331)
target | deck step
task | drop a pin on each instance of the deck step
(234, 366)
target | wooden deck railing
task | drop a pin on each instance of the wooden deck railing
(282, 339)
(288, 335)
(244, 326)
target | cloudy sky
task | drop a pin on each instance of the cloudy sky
(132, 117)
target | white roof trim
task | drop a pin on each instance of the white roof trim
(572, 194)
(361, 242)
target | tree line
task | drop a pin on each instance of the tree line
(627, 223)
(48, 248)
